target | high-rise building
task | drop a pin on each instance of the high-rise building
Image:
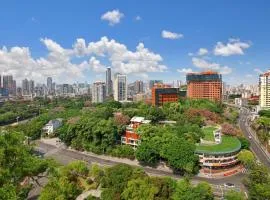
(109, 84)
(25, 87)
(98, 92)
(138, 87)
(8, 84)
(1, 81)
(204, 85)
(264, 88)
(153, 82)
(31, 87)
(120, 87)
(162, 93)
(49, 85)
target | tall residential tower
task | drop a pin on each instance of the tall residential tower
(264, 88)
(109, 84)
(120, 87)
(98, 92)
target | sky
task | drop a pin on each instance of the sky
(75, 41)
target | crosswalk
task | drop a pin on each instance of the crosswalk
(245, 171)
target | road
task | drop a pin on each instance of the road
(66, 156)
(255, 145)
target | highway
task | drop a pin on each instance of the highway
(255, 145)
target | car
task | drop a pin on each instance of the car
(249, 136)
(229, 185)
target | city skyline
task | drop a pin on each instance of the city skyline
(130, 41)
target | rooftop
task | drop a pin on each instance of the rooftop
(228, 144)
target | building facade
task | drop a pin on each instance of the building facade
(204, 85)
(162, 93)
(131, 137)
(98, 92)
(120, 87)
(264, 90)
(109, 84)
(138, 87)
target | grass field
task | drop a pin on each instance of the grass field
(208, 133)
(228, 144)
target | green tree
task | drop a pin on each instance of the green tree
(234, 195)
(247, 158)
(185, 191)
(173, 148)
(245, 143)
(148, 152)
(258, 183)
(139, 189)
(17, 163)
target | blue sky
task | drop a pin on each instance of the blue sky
(234, 33)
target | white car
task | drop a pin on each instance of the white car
(229, 185)
(249, 136)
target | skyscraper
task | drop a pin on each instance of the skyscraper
(204, 85)
(49, 85)
(31, 87)
(9, 84)
(109, 84)
(98, 92)
(120, 87)
(264, 88)
(138, 87)
(25, 87)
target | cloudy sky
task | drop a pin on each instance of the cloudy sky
(146, 39)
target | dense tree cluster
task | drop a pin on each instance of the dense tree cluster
(18, 166)
(120, 182)
(258, 182)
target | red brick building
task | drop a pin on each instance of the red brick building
(131, 137)
(162, 93)
(204, 85)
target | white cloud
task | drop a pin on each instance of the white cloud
(62, 62)
(233, 47)
(171, 35)
(185, 70)
(258, 71)
(113, 17)
(138, 18)
(202, 52)
(203, 64)
(95, 65)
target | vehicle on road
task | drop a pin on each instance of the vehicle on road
(249, 137)
(229, 185)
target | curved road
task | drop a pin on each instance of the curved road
(255, 145)
(65, 156)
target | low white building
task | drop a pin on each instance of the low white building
(240, 102)
(51, 126)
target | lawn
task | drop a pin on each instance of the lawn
(228, 144)
(208, 133)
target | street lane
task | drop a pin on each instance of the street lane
(65, 156)
(254, 145)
